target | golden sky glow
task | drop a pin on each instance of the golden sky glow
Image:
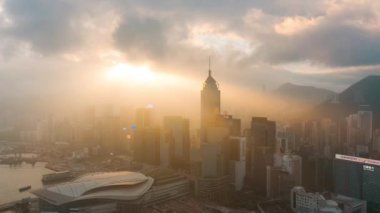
(128, 73)
(151, 50)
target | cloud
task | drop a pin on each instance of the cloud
(142, 36)
(251, 42)
(345, 36)
(48, 26)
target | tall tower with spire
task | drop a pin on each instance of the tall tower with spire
(210, 102)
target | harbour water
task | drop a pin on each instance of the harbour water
(14, 177)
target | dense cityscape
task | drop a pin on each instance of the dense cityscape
(135, 163)
(189, 106)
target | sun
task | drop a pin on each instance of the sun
(130, 73)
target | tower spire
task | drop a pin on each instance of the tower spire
(209, 65)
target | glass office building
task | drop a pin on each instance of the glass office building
(359, 178)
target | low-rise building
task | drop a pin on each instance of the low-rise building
(306, 202)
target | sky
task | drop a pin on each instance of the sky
(65, 48)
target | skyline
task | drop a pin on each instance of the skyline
(189, 106)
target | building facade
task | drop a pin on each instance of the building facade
(358, 178)
(261, 143)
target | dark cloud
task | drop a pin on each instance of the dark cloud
(225, 9)
(142, 36)
(331, 44)
(191, 9)
(341, 39)
(160, 32)
(49, 26)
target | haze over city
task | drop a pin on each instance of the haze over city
(259, 106)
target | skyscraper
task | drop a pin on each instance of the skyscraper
(237, 146)
(110, 134)
(144, 117)
(177, 140)
(146, 137)
(261, 140)
(147, 145)
(210, 102)
(360, 130)
(213, 155)
(215, 131)
(359, 178)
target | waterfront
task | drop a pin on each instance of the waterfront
(14, 177)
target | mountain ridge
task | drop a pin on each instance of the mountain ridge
(303, 93)
(366, 91)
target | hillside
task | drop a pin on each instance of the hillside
(303, 94)
(364, 92)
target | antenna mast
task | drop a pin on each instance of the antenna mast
(209, 65)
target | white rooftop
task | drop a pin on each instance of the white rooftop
(109, 185)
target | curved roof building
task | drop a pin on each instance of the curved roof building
(124, 186)
(114, 192)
